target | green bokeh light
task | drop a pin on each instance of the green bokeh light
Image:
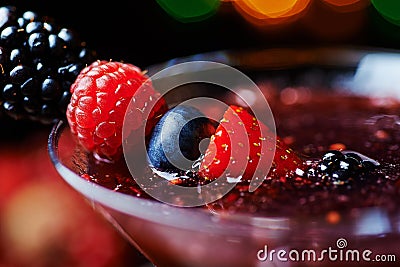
(190, 10)
(389, 9)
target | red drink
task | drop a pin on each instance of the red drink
(328, 221)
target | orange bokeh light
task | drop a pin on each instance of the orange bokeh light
(261, 12)
(270, 8)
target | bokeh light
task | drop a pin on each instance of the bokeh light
(347, 5)
(267, 12)
(270, 8)
(190, 10)
(389, 9)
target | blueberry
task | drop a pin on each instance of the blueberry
(175, 140)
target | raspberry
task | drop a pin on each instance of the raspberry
(100, 96)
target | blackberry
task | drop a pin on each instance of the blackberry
(39, 60)
(340, 168)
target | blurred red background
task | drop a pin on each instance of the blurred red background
(43, 222)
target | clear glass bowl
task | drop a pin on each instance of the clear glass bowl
(174, 236)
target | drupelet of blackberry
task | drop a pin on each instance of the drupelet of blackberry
(39, 60)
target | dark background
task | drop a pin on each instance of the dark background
(140, 32)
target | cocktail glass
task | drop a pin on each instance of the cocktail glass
(178, 236)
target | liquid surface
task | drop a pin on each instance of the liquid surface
(311, 124)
